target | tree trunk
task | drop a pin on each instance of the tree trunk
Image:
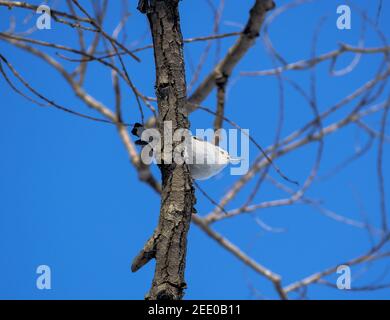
(169, 242)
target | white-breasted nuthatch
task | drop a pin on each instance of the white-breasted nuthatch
(204, 159)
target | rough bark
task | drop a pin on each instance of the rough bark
(225, 67)
(168, 244)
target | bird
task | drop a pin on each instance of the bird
(204, 159)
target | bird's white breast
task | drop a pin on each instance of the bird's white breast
(206, 159)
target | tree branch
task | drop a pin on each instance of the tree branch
(235, 53)
(168, 244)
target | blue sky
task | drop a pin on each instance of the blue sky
(71, 200)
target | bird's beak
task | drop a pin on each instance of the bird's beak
(235, 160)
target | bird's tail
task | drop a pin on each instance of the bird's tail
(137, 131)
